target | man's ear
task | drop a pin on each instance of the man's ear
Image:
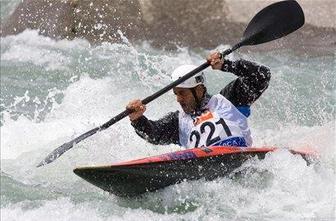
(200, 90)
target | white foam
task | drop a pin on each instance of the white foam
(289, 189)
(30, 47)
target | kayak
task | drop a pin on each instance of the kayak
(135, 177)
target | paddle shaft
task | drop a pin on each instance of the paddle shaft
(65, 147)
(164, 90)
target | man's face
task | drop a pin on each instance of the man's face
(186, 99)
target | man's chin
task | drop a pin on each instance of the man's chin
(187, 110)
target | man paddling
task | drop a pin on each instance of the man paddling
(206, 120)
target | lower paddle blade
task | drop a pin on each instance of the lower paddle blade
(65, 147)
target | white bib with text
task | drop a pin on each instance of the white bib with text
(221, 122)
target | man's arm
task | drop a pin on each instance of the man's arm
(252, 81)
(163, 131)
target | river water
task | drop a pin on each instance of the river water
(53, 91)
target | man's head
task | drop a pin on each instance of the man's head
(190, 92)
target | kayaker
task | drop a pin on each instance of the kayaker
(206, 120)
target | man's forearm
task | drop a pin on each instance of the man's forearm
(163, 131)
(253, 79)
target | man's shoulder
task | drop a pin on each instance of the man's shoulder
(218, 97)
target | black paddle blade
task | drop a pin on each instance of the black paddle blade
(273, 22)
(65, 147)
(56, 153)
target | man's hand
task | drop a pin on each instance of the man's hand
(215, 60)
(138, 109)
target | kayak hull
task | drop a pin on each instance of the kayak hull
(136, 177)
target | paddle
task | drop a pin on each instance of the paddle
(274, 21)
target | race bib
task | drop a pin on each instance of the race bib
(208, 129)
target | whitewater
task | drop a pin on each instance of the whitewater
(55, 90)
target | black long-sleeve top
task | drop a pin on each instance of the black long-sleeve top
(252, 81)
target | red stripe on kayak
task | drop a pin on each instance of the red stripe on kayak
(197, 153)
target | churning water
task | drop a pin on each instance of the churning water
(53, 91)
